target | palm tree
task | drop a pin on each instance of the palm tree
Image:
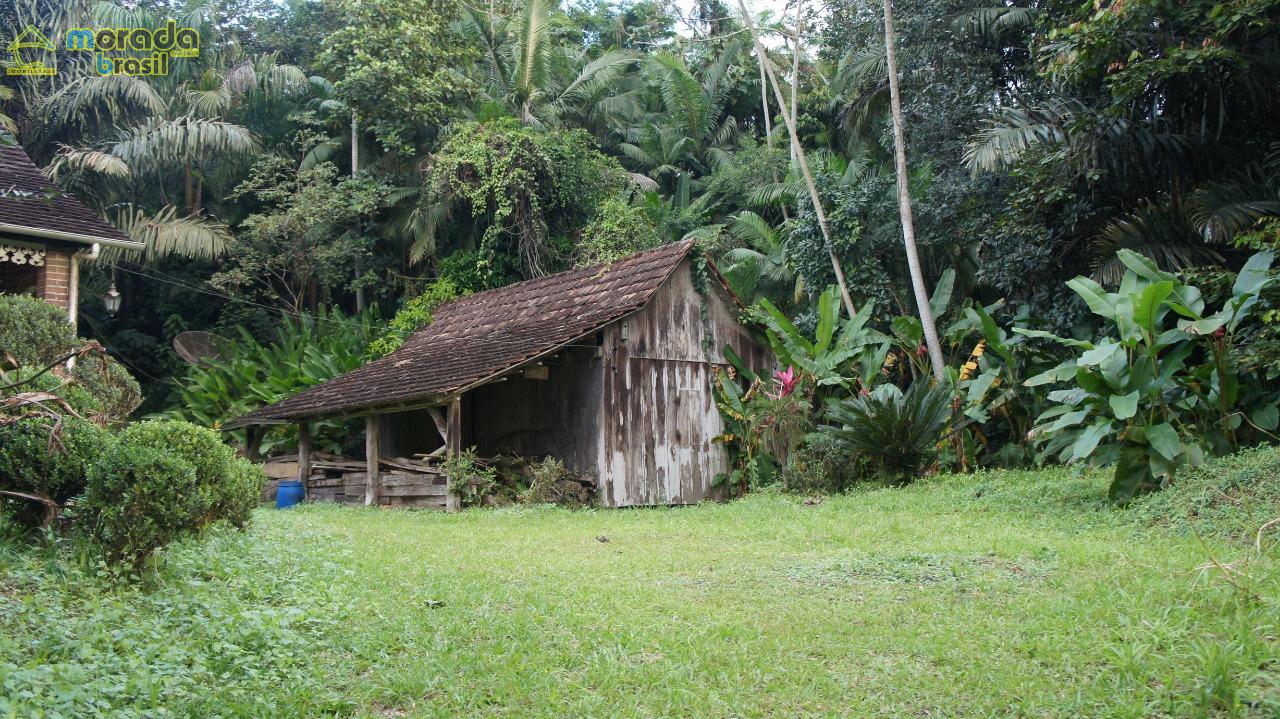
(691, 136)
(541, 82)
(759, 267)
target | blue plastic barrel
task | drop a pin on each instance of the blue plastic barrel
(288, 494)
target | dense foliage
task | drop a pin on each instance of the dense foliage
(330, 154)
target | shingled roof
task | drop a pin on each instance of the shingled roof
(31, 206)
(478, 337)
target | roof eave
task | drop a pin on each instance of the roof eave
(70, 237)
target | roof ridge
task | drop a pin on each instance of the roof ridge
(515, 287)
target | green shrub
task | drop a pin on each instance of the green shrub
(80, 399)
(35, 334)
(1230, 496)
(239, 492)
(141, 498)
(115, 390)
(1162, 393)
(472, 477)
(822, 464)
(416, 313)
(163, 479)
(618, 229)
(39, 457)
(550, 482)
(33, 331)
(898, 430)
(217, 468)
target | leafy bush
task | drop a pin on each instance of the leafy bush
(30, 379)
(219, 471)
(35, 334)
(471, 476)
(141, 498)
(618, 229)
(1138, 403)
(416, 313)
(115, 390)
(898, 430)
(550, 482)
(823, 464)
(33, 331)
(48, 458)
(1229, 496)
(161, 480)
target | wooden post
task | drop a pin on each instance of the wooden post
(453, 443)
(253, 443)
(372, 486)
(442, 426)
(304, 456)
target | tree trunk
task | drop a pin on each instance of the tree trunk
(795, 68)
(800, 159)
(904, 201)
(768, 125)
(355, 168)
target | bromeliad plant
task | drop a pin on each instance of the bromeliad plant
(1162, 392)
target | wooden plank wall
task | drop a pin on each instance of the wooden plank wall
(657, 412)
(397, 489)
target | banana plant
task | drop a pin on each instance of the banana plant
(848, 354)
(1136, 401)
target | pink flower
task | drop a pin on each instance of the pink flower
(787, 381)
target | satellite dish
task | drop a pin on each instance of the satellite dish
(196, 347)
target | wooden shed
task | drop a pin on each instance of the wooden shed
(608, 368)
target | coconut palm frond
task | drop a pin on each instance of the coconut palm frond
(425, 221)
(643, 182)
(1222, 209)
(682, 95)
(992, 22)
(85, 159)
(775, 194)
(166, 234)
(752, 229)
(157, 144)
(1010, 134)
(102, 96)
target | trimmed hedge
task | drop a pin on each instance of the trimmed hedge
(163, 479)
(35, 334)
(140, 499)
(30, 461)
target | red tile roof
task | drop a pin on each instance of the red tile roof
(477, 337)
(30, 205)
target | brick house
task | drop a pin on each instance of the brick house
(44, 233)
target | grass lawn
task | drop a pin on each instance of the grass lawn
(1003, 594)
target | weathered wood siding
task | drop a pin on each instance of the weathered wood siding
(657, 412)
(542, 417)
(404, 434)
(396, 489)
